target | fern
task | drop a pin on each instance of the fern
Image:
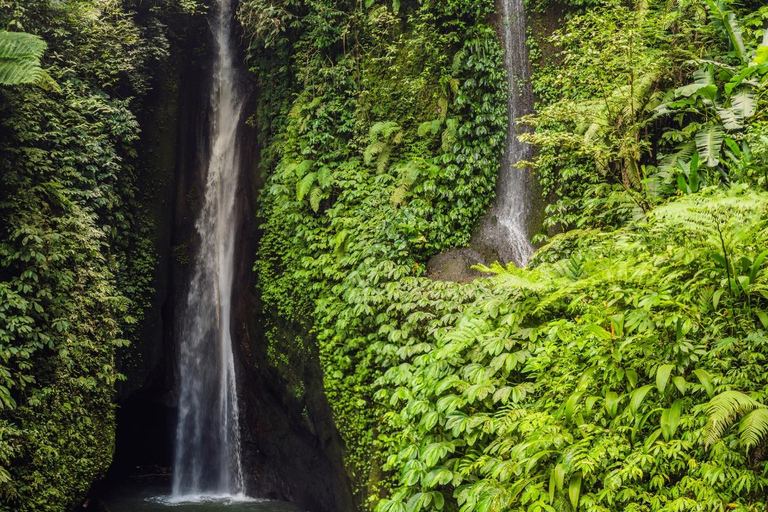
(325, 177)
(449, 134)
(429, 128)
(753, 428)
(20, 55)
(304, 186)
(314, 199)
(724, 408)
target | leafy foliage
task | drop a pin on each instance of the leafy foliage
(584, 382)
(76, 261)
(20, 55)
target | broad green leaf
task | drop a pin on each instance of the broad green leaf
(709, 141)
(570, 404)
(716, 298)
(706, 381)
(612, 400)
(574, 489)
(670, 419)
(632, 377)
(763, 317)
(680, 384)
(637, 397)
(662, 376)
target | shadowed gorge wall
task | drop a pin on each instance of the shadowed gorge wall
(291, 449)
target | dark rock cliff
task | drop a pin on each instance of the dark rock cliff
(291, 448)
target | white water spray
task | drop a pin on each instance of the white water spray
(207, 460)
(506, 227)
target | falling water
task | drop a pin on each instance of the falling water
(207, 436)
(506, 228)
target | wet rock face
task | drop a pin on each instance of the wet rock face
(291, 449)
(456, 265)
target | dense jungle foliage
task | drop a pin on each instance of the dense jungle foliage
(623, 369)
(75, 250)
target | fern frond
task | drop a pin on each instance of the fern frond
(449, 134)
(429, 128)
(383, 160)
(723, 409)
(303, 187)
(389, 128)
(753, 428)
(20, 55)
(19, 45)
(303, 168)
(324, 177)
(314, 198)
(398, 196)
(372, 151)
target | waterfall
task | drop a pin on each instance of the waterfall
(506, 228)
(207, 459)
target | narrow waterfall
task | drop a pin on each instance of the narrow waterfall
(207, 459)
(508, 223)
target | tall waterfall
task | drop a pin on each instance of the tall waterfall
(207, 460)
(506, 228)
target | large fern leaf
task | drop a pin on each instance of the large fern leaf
(304, 186)
(314, 198)
(20, 55)
(753, 428)
(723, 410)
(19, 45)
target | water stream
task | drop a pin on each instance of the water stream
(507, 226)
(207, 453)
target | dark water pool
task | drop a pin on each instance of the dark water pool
(155, 497)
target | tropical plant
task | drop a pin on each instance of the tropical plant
(20, 55)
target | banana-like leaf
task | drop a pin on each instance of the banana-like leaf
(709, 141)
(726, 21)
(744, 102)
(730, 118)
